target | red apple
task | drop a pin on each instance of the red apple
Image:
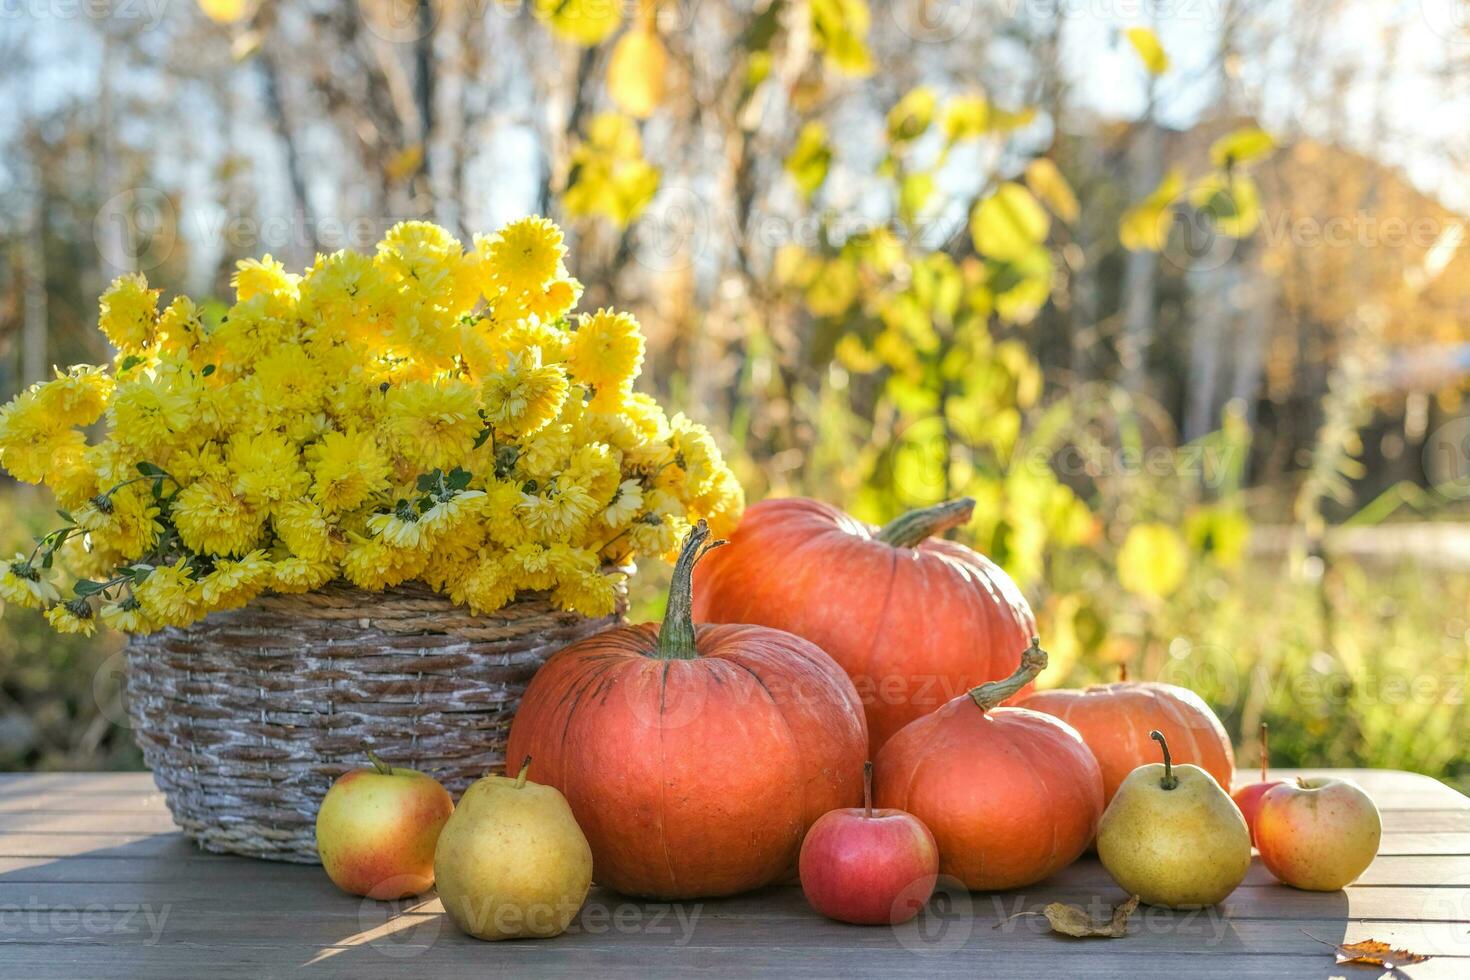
(1248, 797)
(377, 828)
(1318, 834)
(866, 866)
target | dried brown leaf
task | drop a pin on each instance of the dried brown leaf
(1073, 920)
(1372, 952)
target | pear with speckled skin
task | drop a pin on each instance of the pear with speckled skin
(1173, 837)
(512, 862)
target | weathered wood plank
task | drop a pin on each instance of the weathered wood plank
(312, 894)
(1047, 957)
(183, 863)
(599, 926)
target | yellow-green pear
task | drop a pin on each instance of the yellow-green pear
(1173, 837)
(512, 862)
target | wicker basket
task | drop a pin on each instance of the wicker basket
(247, 717)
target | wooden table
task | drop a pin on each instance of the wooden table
(94, 881)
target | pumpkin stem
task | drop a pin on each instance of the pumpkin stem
(907, 530)
(992, 693)
(382, 767)
(1170, 780)
(1265, 752)
(676, 636)
(521, 776)
(867, 790)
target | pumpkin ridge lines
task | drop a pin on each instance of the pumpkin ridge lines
(663, 788)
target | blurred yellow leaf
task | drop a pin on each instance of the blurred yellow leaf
(609, 176)
(1045, 179)
(226, 11)
(966, 117)
(911, 115)
(1150, 51)
(1145, 226)
(1006, 120)
(1241, 146)
(405, 163)
(840, 31)
(810, 158)
(1152, 561)
(851, 354)
(1231, 200)
(586, 22)
(1218, 532)
(1008, 223)
(795, 266)
(1022, 285)
(636, 70)
(832, 292)
(914, 193)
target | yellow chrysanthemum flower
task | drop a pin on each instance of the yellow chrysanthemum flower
(525, 255)
(127, 616)
(212, 519)
(72, 617)
(169, 595)
(21, 584)
(265, 469)
(265, 277)
(232, 584)
(149, 413)
(525, 396)
(347, 468)
(77, 397)
(433, 424)
(606, 351)
(128, 312)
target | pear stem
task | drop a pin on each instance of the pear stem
(992, 693)
(676, 636)
(521, 776)
(382, 767)
(1170, 780)
(908, 530)
(867, 790)
(1265, 752)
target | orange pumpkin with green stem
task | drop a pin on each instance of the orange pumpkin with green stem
(1012, 796)
(694, 757)
(913, 619)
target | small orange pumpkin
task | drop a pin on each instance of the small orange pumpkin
(1012, 796)
(914, 619)
(1115, 721)
(694, 758)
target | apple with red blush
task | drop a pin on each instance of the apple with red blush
(1318, 834)
(1248, 797)
(867, 866)
(377, 828)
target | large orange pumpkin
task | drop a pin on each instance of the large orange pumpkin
(1012, 796)
(694, 758)
(913, 619)
(1115, 721)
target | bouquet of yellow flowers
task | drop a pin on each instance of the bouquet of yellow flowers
(429, 413)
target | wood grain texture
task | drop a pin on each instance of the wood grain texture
(95, 881)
